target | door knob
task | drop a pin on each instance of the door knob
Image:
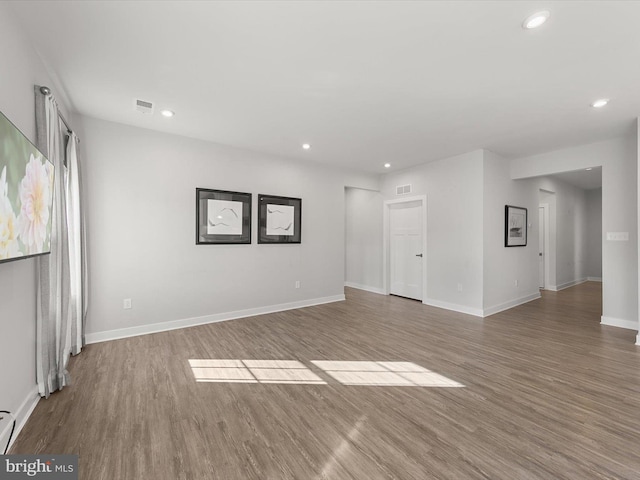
(419, 255)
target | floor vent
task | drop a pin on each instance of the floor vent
(142, 106)
(403, 189)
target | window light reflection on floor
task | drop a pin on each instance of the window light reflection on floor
(385, 374)
(360, 373)
(253, 371)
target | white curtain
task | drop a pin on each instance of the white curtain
(77, 247)
(61, 302)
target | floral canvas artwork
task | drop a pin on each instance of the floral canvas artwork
(26, 194)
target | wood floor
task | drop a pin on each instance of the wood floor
(548, 394)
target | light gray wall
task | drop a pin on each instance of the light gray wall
(140, 196)
(594, 233)
(549, 198)
(363, 225)
(618, 158)
(21, 70)
(503, 266)
(453, 187)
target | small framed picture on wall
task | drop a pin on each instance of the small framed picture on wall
(222, 217)
(279, 219)
(515, 226)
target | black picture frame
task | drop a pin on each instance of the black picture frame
(515, 226)
(234, 226)
(287, 220)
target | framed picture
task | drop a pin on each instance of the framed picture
(222, 217)
(515, 226)
(279, 219)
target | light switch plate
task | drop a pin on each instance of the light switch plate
(618, 236)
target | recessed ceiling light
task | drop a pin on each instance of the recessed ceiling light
(306, 146)
(387, 165)
(600, 103)
(535, 20)
(167, 113)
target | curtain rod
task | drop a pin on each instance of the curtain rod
(47, 91)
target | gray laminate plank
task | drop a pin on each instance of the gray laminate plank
(549, 394)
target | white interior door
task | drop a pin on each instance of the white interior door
(541, 251)
(405, 246)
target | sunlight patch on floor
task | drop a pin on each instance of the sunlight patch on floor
(253, 371)
(384, 374)
(354, 373)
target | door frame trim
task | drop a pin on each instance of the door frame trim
(386, 244)
(542, 231)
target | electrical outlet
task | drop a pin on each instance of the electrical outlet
(126, 303)
(516, 283)
(459, 287)
(297, 283)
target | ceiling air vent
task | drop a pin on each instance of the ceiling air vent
(403, 189)
(142, 106)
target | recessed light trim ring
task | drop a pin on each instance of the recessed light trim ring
(536, 20)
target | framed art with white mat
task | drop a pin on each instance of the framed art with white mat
(222, 217)
(515, 226)
(279, 219)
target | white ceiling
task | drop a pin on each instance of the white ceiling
(364, 82)
(585, 179)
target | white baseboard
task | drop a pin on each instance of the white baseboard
(364, 287)
(510, 304)
(21, 415)
(638, 339)
(619, 322)
(594, 279)
(454, 307)
(562, 286)
(192, 322)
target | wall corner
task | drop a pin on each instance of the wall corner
(638, 203)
